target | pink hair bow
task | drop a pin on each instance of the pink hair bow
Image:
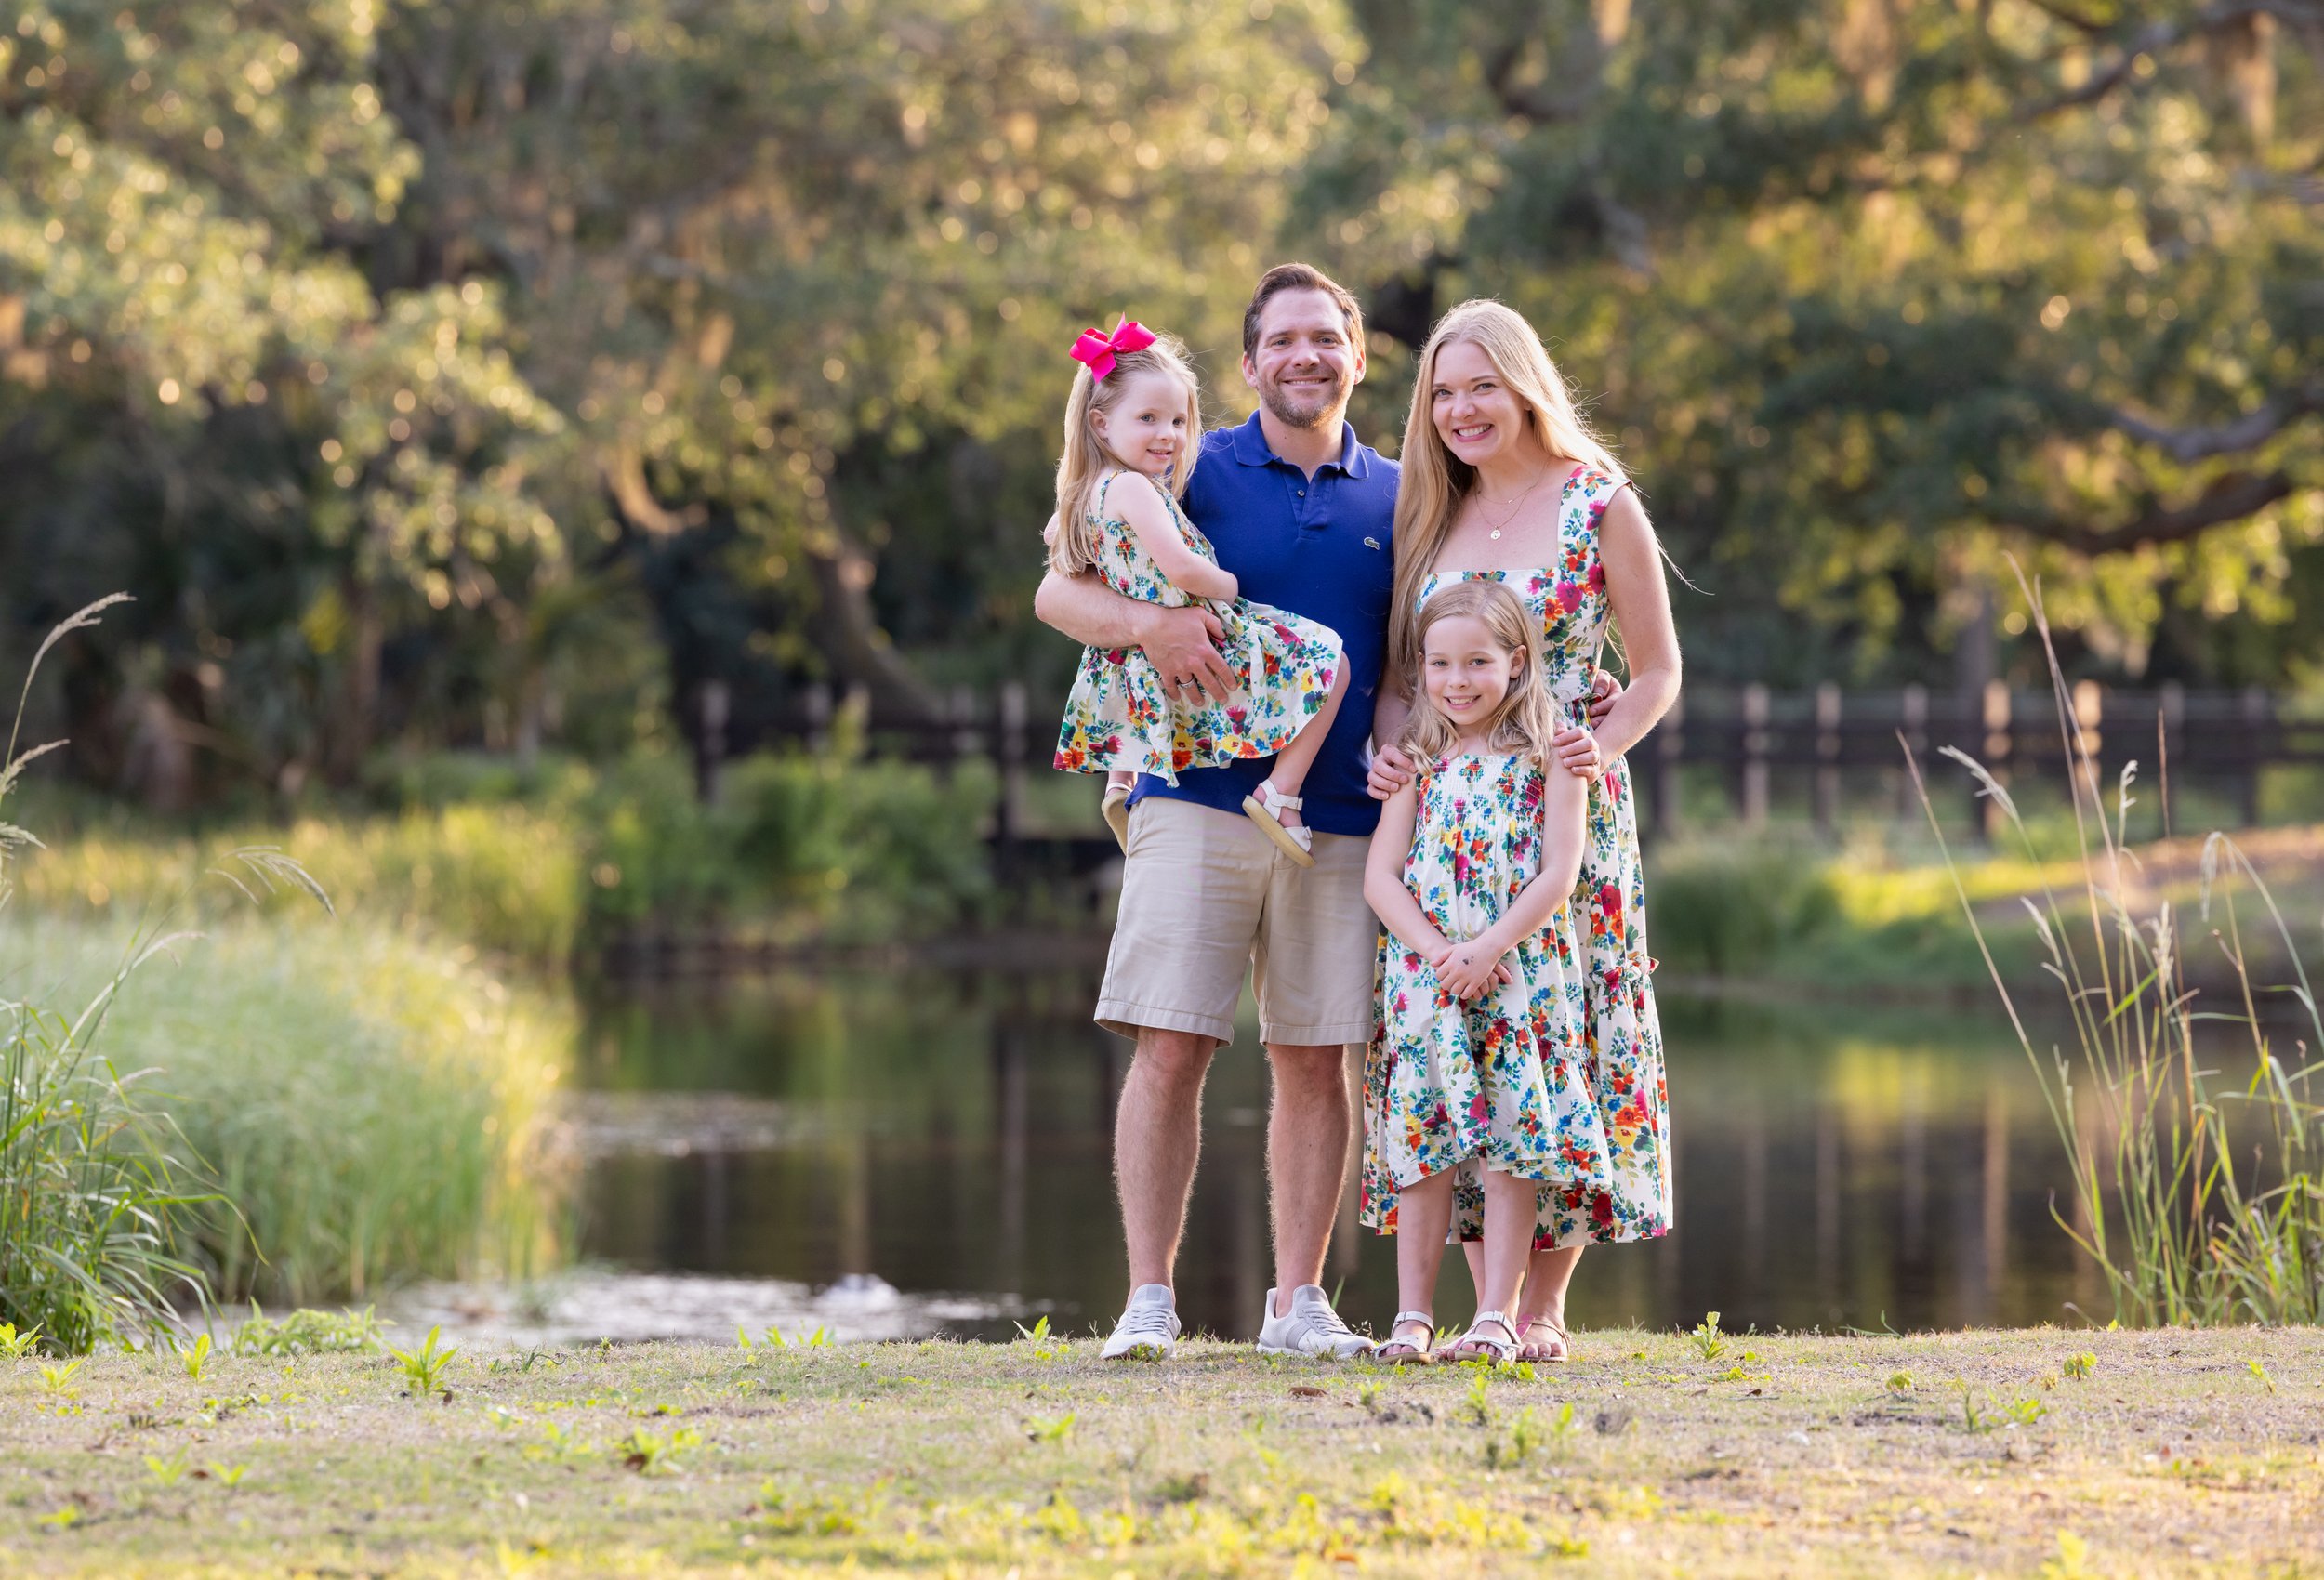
(1099, 350)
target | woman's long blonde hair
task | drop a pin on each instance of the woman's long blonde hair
(1435, 482)
(1526, 719)
(1085, 460)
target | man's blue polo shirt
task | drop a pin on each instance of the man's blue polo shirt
(1320, 547)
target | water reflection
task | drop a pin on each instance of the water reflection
(950, 1132)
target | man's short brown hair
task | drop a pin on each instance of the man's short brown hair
(1299, 277)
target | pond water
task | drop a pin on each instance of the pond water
(940, 1140)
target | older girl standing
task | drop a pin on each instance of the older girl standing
(1503, 480)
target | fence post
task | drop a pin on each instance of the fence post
(711, 704)
(1009, 818)
(1827, 757)
(2258, 715)
(1913, 710)
(1754, 753)
(2089, 712)
(1997, 756)
(1662, 804)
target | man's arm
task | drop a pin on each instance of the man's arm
(1182, 642)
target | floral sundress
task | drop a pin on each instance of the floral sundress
(1492, 1084)
(1623, 1192)
(1120, 716)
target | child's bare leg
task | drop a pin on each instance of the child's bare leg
(1292, 763)
(1508, 1203)
(1423, 1214)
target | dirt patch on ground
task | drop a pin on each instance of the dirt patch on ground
(2041, 1452)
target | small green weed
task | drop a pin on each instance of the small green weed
(651, 1454)
(1900, 1382)
(1524, 1436)
(1476, 1403)
(1368, 1395)
(426, 1363)
(2077, 1367)
(195, 1357)
(2261, 1372)
(1706, 1339)
(228, 1475)
(2073, 1561)
(1044, 1429)
(167, 1471)
(1038, 1335)
(15, 1346)
(57, 1380)
(63, 1518)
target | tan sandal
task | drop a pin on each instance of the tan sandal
(1114, 809)
(1297, 843)
(1474, 1345)
(1403, 1352)
(1557, 1351)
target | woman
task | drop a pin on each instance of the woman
(1503, 479)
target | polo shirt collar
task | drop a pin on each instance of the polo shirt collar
(1252, 450)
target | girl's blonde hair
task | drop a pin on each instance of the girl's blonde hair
(1525, 720)
(1085, 460)
(1435, 482)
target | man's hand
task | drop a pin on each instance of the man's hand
(1183, 645)
(1391, 771)
(1603, 695)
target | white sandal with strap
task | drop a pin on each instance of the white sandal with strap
(1473, 1345)
(1420, 1354)
(1297, 843)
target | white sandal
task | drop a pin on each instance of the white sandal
(1473, 1345)
(1420, 1354)
(1297, 843)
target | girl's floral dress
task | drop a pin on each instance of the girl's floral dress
(1118, 716)
(1622, 1190)
(1492, 1084)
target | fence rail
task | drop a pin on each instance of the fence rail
(1836, 739)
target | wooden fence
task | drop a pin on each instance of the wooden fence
(1817, 747)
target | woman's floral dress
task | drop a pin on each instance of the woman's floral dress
(1492, 1084)
(1120, 716)
(1622, 1190)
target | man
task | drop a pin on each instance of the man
(1301, 514)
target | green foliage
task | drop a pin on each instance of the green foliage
(307, 1332)
(2077, 1367)
(425, 1363)
(1706, 1339)
(2183, 1229)
(651, 1454)
(93, 1194)
(370, 1108)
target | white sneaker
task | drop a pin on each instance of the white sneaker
(1148, 1329)
(1310, 1327)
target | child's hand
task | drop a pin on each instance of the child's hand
(1470, 970)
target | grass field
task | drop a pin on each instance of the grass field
(2167, 1452)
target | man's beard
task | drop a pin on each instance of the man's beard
(1273, 397)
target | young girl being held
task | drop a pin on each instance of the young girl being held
(1133, 428)
(1478, 1027)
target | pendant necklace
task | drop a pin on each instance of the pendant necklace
(1496, 534)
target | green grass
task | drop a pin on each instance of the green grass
(1954, 1454)
(373, 1106)
(802, 848)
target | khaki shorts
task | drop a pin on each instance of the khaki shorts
(1204, 894)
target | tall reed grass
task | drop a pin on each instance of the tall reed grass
(94, 1185)
(368, 1106)
(2199, 1197)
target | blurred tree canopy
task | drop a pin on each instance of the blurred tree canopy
(459, 371)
